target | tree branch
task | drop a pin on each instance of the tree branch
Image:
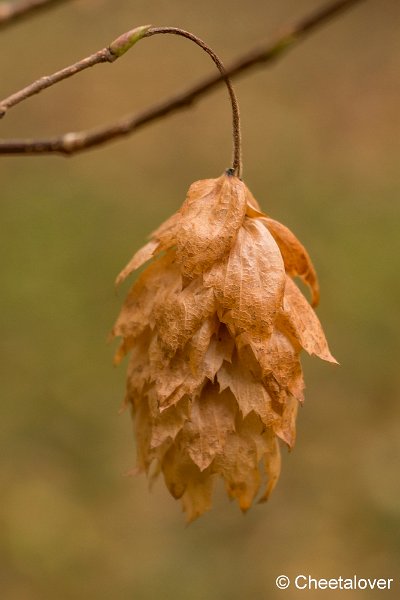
(12, 12)
(116, 49)
(74, 142)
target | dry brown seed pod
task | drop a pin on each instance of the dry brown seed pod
(215, 326)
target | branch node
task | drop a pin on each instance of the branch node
(125, 41)
(283, 44)
(72, 141)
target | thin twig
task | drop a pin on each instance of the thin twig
(109, 54)
(73, 142)
(47, 81)
(11, 12)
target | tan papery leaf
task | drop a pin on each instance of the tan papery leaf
(185, 480)
(271, 466)
(250, 281)
(168, 423)
(278, 355)
(253, 209)
(166, 235)
(220, 349)
(137, 260)
(285, 427)
(182, 313)
(200, 342)
(212, 417)
(139, 368)
(302, 322)
(176, 380)
(210, 219)
(295, 256)
(238, 465)
(250, 394)
(154, 285)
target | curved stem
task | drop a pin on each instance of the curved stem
(237, 140)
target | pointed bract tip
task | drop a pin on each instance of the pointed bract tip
(125, 41)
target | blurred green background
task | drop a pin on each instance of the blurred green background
(322, 154)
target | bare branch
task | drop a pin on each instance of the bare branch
(116, 49)
(47, 81)
(11, 12)
(74, 142)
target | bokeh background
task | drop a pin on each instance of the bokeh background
(321, 133)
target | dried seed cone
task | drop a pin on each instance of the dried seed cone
(215, 326)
